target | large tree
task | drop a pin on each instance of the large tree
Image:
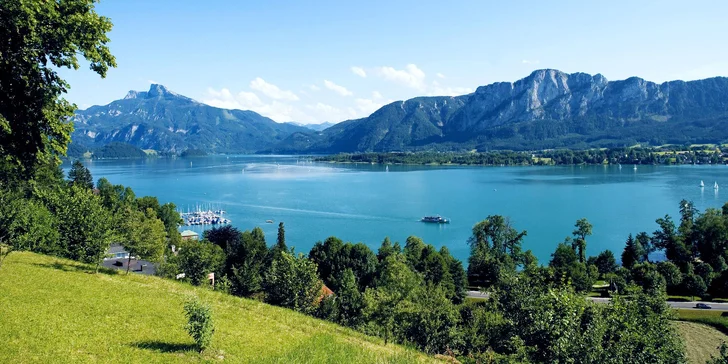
(291, 282)
(495, 250)
(583, 229)
(39, 38)
(144, 235)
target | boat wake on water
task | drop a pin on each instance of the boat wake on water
(324, 213)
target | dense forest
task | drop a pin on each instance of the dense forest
(409, 293)
(638, 155)
(114, 150)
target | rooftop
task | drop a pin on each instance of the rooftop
(188, 233)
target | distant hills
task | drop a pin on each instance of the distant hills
(314, 127)
(547, 109)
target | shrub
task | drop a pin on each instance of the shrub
(199, 323)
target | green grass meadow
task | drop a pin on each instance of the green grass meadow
(54, 310)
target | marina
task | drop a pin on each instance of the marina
(204, 217)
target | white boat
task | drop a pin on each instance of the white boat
(715, 186)
(387, 169)
(635, 167)
(702, 184)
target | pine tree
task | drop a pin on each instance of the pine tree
(80, 175)
(632, 253)
(281, 241)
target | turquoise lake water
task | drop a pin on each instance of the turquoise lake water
(365, 203)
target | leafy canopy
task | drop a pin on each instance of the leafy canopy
(39, 38)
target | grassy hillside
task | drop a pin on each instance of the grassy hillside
(701, 341)
(54, 310)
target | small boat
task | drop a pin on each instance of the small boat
(635, 167)
(620, 166)
(268, 221)
(437, 219)
(387, 169)
(715, 186)
(702, 184)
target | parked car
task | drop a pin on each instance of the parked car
(703, 306)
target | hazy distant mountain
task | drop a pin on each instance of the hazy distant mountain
(547, 109)
(163, 120)
(314, 127)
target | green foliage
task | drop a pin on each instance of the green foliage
(80, 175)
(291, 282)
(143, 234)
(42, 37)
(633, 253)
(349, 300)
(556, 325)
(200, 324)
(84, 225)
(394, 285)
(27, 225)
(116, 150)
(227, 237)
(568, 269)
(245, 263)
(495, 251)
(671, 273)
(583, 229)
(605, 262)
(281, 239)
(198, 259)
(694, 285)
(333, 257)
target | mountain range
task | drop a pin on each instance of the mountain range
(166, 121)
(547, 109)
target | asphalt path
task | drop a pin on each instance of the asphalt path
(716, 306)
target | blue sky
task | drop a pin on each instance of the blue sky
(336, 60)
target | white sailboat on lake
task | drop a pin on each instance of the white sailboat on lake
(715, 186)
(702, 184)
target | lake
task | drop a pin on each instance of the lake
(365, 203)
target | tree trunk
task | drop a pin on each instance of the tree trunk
(128, 263)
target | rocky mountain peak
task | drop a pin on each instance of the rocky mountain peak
(135, 95)
(156, 90)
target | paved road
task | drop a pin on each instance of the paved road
(716, 306)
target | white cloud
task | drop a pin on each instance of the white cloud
(271, 90)
(330, 113)
(276, 110)
(440, 75)
(358, 71)
(314, 88)
(341, 90)
(534, 61)
(152, 82)
(376, 95)
(410, 76)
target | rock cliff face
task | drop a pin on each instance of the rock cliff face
(549, 108)
(163, 120)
